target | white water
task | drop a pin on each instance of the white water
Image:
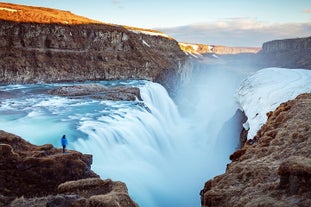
(164, 158)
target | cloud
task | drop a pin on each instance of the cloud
(237, 32)
(117, 3)
(307, 11)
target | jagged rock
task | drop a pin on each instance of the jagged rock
(275, 169)
(117, 93)
(29, 170)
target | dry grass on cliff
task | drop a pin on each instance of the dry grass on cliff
(23, 13)
(20, 13)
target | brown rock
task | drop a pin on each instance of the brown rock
(99, 192)
(275, 169)
(29, 170)
(57, 46)
(295, 175)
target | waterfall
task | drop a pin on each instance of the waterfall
(163, 150)
(164, 157)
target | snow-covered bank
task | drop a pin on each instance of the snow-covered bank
(266, 90)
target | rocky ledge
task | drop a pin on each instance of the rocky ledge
(43, 176)
(272, 170)
(116, 93)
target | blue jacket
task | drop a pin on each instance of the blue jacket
(64, 141)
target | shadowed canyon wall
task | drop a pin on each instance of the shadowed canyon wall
(289, 53)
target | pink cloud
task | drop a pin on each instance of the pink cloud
(238, 32)
(307, 11)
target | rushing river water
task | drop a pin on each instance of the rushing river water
(162, 152)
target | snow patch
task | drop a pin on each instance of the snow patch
(145, 43)
(266, 90)
(150, 33)
(8, 9)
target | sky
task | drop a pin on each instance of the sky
(219, 22)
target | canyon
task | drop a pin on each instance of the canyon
(41, 45)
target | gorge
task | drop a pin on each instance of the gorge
(171, 120)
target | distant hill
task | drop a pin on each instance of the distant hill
(201, 49)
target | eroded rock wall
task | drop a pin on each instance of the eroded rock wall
(34, 52)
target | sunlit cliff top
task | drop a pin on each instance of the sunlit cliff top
(23, 13)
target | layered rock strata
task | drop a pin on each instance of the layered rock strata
(36, 51)
(38, 176)
(272, 170)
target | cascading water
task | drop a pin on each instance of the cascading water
(164, 158)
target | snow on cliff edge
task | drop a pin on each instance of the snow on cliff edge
(266, 90)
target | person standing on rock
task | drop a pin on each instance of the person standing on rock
(64, 143)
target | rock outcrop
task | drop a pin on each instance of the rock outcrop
(44, 176)
(57, 46)
(30, 170)
(116, 93)
(274, 169)
(288, 53)
(89, 192)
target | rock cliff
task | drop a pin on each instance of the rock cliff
(39, 176)
(45, 45)
(274, 169)
(216, 49)
(289, 53)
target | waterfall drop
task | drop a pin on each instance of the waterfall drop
(163, 151)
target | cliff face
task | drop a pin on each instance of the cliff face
(290, 53)
(274, 170)
(287, 44)
(77, 51)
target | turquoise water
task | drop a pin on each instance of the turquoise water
(163, 157)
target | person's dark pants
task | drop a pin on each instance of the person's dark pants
(64, 148)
